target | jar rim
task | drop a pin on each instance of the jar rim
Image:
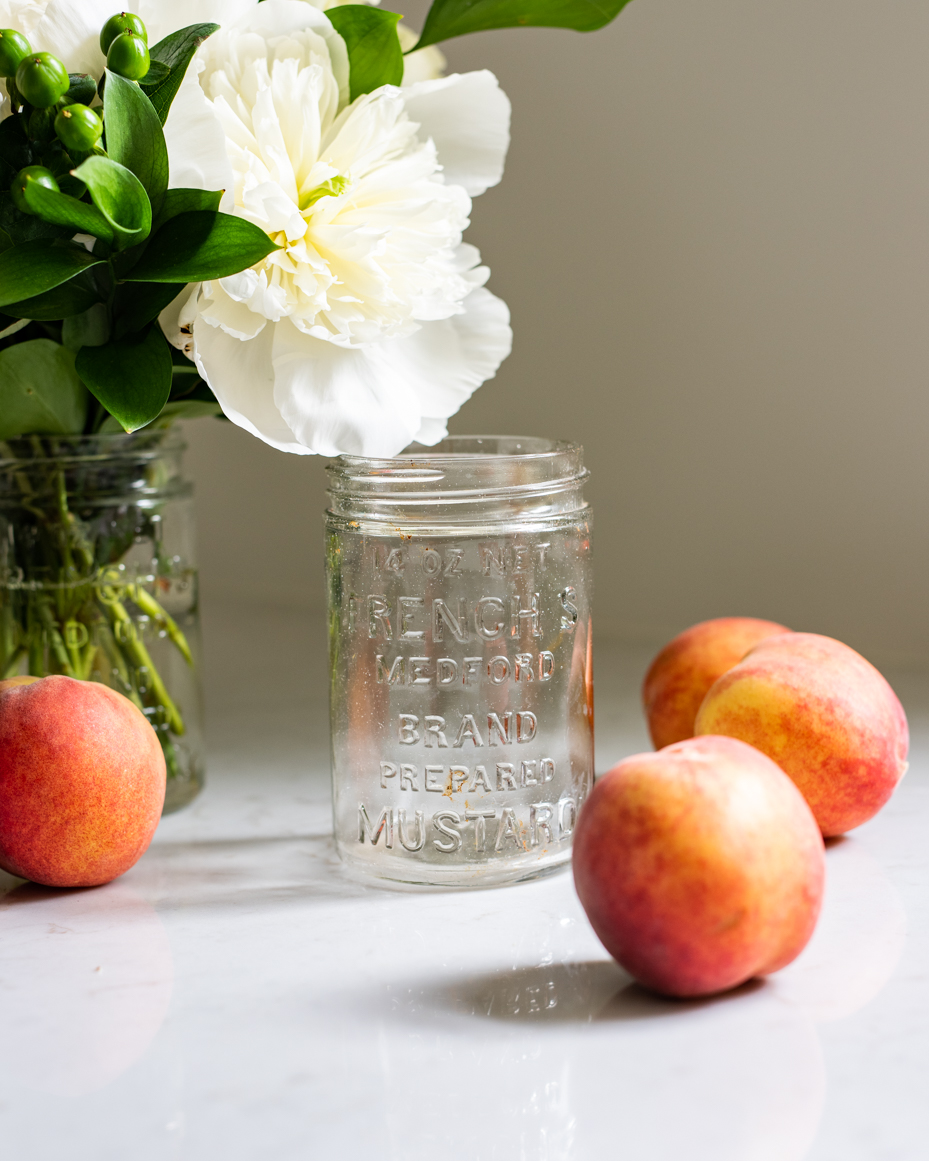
(472, 476)
(454, 449)
(146, 443)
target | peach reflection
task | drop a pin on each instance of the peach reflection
(87, 978)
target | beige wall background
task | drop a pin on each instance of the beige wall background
(713, 235)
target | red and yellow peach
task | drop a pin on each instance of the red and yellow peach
(700, 866)
(82, 781)
(824, 715)
(684, 670)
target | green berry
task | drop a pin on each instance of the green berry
(121, 22)
(13, 49)
(128, 56)
(37, 173)
(42, 79)
(78, 128)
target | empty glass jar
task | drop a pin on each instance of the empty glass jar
(461, 684)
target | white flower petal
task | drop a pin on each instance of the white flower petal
(338, 400)
(71, 30)
(177, 318)
(162, 17)
(196, 142)
(314, 396)
(241, 376)
(467, 115)
(23, 15)
(445, 362)
(274, 18)
(233, 314)
(430, 432)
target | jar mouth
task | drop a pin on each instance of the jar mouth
(455, 448)
(518, 476)
(138, 446)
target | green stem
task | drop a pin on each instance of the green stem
(147, 603)
(58, 645)
(117, 661)
(128, 639)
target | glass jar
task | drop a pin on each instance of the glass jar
(98, 582)
(461, 686)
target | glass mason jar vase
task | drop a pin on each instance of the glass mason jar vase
(98, 582)
(461, 686)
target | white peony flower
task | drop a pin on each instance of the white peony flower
(370, 326)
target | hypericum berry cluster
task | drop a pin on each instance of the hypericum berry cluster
(54, 101)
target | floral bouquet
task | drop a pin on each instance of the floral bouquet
(261, 219)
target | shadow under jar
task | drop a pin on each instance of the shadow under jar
(461, 684)
(97, 578)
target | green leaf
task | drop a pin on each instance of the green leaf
(176, 52)
(138, 303)
(182, 201)
(25, 227)
(6, 242)
(374, 54)
(182, 409)
(448, 18)
(62, 210)
(199, 245)
(90, 329)
(134, 136)
(82, 88)
(62, 302)
(120, 197)
(40, 392)
(157, 74)
(131, 376)
(32, 268)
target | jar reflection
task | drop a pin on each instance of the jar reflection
(647, 1078)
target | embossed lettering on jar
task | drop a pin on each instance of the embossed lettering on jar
(460, 660)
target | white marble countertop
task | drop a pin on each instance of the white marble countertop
(234, 996)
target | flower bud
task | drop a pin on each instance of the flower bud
(42, 79)
(14, 48)
(78, 128)
(128, 56)
(118, 24)
(36, 173)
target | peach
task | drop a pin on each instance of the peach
(699, 866)
(82, 781)
(824, 714)
(681, 674)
